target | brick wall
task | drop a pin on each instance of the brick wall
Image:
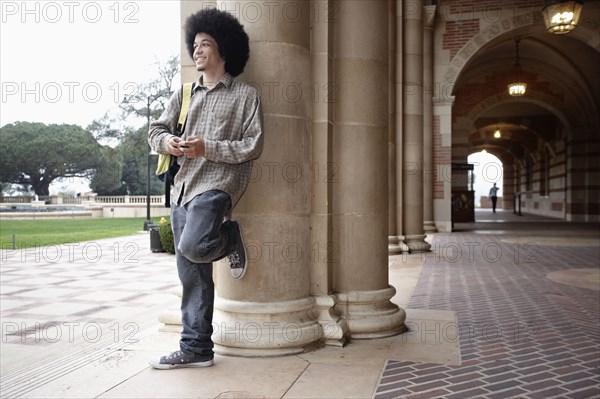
(464, 18)
(458, 33)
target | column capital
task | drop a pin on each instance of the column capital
(429, 16)
(441, 101)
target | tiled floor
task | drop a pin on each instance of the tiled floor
(504, 308)
(65, 306)
(521, 335)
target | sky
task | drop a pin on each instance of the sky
(71, 61)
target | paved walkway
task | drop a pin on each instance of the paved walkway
(505, 307)
(525, 291)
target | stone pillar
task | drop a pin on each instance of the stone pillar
(270, 311)
(413, 126)
(398, 124)
(429, 89)
(325, 175)
(394, 246)
(360, 149)
(442, 192)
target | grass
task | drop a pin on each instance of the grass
(32, 233)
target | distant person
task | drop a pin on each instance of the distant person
(494, 196)
(222, 136)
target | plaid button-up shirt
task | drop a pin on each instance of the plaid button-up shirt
(229, 119)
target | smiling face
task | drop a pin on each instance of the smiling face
(206, 54)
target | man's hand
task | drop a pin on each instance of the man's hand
(173, 144)
(192, 147)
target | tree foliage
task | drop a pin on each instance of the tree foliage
(36, 154)
(108, 178)
(146, 104)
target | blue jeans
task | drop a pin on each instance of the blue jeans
(201, 237)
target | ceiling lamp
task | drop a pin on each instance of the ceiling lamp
(562, 16)
(497, 134)
(518, 87)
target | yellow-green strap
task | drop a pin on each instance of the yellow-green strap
(164, 160)
(185, 105)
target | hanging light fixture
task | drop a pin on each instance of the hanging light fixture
(518, 87)
(497, 133)
(562, 16)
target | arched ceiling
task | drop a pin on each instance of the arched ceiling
(563, 94)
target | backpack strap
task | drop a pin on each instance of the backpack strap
(165, 160)
(185, 107)
(167, 165)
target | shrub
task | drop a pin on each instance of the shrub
(166, 236)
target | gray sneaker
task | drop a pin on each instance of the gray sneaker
(238, 264)
(181, 359)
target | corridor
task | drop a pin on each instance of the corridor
(525, 290)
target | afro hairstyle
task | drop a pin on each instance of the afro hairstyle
(227, 31)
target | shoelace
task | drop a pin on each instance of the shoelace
(174, 355)
(234, 261)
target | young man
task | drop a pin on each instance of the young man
(222, 136)
(494, 196)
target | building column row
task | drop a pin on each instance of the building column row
(315, 216)
(413, 202)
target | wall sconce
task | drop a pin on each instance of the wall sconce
(518, 87)
(562, 16)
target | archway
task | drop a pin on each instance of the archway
(487, 170)
(546, 162)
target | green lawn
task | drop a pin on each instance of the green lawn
(31, 233)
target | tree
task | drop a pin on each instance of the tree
(145, 105)
(149, 98)
(134, 155)
(36, 154)
(108, 179)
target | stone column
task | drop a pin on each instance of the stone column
(429, 89)
(270, 311)
(413, 126)
(360, 149)
(442, 192)
(325, 175)
(393, 241)
(398, 123)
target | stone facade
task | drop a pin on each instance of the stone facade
(367, 104)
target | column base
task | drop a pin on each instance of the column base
(429, 227)
(171, 319)
(263, 329)
(371, 314)
(396, 245)
(335, 329)
(417, 243)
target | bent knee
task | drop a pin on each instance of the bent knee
(197, 253)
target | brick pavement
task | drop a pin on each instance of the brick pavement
(71, 314)
(521, 335)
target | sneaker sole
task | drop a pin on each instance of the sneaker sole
(160, 366)
(246, 258)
